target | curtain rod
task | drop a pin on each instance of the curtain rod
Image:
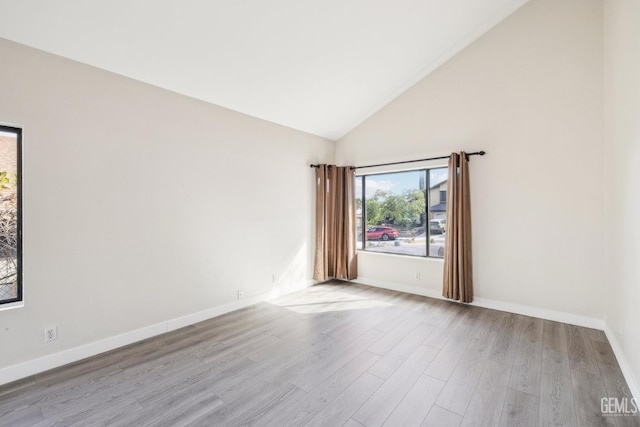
(477, 153)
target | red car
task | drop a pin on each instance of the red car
(384, 233)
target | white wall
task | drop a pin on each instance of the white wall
(530, 93)
(622, 167)
(141, 205)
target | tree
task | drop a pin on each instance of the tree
(402, 210)
(373, 208)
(416, 207)
(394, 209)
(8, 234)
(8, 181)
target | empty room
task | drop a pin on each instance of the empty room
(321, 213)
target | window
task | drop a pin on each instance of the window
(402, 212)
(10, 215)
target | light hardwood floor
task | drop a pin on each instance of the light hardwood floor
(338, 355)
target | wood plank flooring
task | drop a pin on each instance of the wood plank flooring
(337, 355)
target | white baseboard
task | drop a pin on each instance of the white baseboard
(416, 290)
(210, 313)
(542, 313)
(632, 381)
(51, 361)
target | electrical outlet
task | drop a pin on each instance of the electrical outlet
(50, 333)
(240, 294)
(417, 276)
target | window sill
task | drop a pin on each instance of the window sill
(11, 305)
(375, 253)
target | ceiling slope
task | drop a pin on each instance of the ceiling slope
(321, 67)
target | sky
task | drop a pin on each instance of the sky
(2, 133)
(398, 183)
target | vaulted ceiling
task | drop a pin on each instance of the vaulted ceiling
(320, 66)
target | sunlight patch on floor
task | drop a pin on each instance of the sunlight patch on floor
(323, 302)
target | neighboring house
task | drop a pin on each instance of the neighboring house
(438, 201)
(8, 154)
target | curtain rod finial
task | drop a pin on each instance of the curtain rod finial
(482, 153)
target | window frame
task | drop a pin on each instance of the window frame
(362, 246)
(18, 300)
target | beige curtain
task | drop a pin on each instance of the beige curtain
(335, 223)
(458, 278)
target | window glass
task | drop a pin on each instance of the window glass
(403, 213)
(359, 210)
(395, 213)
(10, 235)
(438, 180)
